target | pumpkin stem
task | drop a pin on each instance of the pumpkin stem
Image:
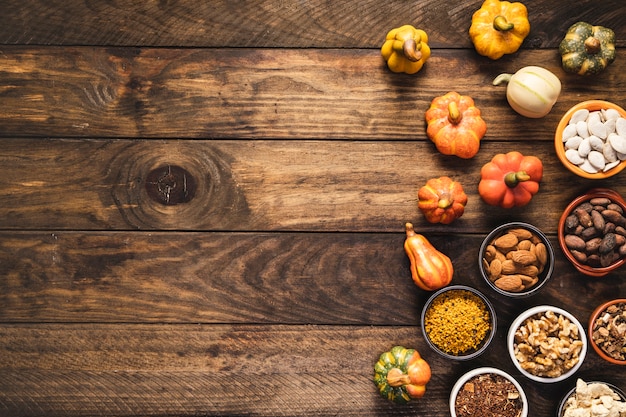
(411, 50)
(592, 45)
(409, 229)
(397, 378)
(513, 178)
(500, 23)
(502, 78)
(454, 115)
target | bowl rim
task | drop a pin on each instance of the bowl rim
(592, 105)
(488, 338)
(481, 371)
(515, 324)
(547, 272)
(592, 318)
(592, 193)
(570, 392)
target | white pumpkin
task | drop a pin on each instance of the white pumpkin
(531, 91)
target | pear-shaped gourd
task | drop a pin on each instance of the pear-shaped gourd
(531, 91)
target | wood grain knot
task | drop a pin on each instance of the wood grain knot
(170, 185)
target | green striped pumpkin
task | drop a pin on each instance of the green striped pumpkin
(401, 375)
(587, 49)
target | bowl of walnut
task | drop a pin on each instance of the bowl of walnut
(516, 259)
(592, 232)
(547, 344)
(607, 331)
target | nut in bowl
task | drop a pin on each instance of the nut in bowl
(590, 139)
(607, 331)
(516, 259)
(593, 399)
(592, 232)
(547, 344)
(458, 322)
(483, 389)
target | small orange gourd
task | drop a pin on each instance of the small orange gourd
(442, 200)
(430, 268)
(454, 125)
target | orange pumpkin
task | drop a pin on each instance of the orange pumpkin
(454, 125)
(430, 268)
(442, 200)
(510, 180)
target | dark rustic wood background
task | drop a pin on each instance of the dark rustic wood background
(275, 287)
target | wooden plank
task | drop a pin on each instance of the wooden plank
(122, 370)
(262, 93)
(285, 23)
(297, 278)
(367, 186)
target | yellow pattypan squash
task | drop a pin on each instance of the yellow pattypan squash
(499, 27)
(406, 49)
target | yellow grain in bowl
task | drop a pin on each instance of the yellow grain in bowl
(458, 322)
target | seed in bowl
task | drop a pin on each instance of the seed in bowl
(595, 232)
(547, 344)
(595, 141)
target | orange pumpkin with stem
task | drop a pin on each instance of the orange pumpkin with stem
(442, 200)
(510, 180)
(454, 125)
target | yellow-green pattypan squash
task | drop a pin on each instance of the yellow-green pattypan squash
(499, 27)
(406, 49)
(587, 49)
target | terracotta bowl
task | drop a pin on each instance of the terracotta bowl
(597, 314)
(543, 277)
(534, 313)
(460, 383)
(594, 271)
(459, 290)
(591, 105)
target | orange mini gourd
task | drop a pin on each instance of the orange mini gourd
(510, 180)
(454, 125)
(430, 268)
(442, 200)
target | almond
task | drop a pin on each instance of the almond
(541, 253)
(506, 242)
(522, 257)
(495, 269)
(524, 244)
(521, 234)
(512, 283)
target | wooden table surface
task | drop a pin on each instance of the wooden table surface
(271, 282)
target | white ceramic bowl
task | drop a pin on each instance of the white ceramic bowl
(481, 371)
(532, 312)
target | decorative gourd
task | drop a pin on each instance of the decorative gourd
(401, 375)
(454, 125)
(499, 28)
(430, 269)
(406, 49)
(510, 180)
(442, 200)
(587, 49)
(531, 91)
